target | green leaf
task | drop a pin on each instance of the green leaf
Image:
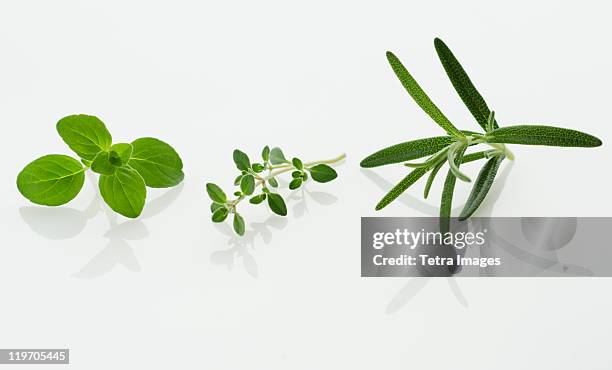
(124, 191)
(257, 199)
(432, 176)
(257, 167)
(296, 174)
(481, 186)
(124, 150)
(463, 85)
(51, 180)
(157, 162)
(277, 204)
(85, 135)
(273, 183)
(322, 173)
(407, 151)
(277, 156)
(220, 214)
(542, 135)
(215, 206)
(238, 179)
(297, 163)
(102, 164)
(265, 153)
(446, 202)
(295, 183)
(247, 184)
(455, 148)
(242, 160)
(398, 189)
(473, 156)
(216, 193)
(420, 97)
(239, 224)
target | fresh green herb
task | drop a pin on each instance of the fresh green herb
(262, 176)
(125, 169)
(451, 148)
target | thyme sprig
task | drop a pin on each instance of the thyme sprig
(260, 178)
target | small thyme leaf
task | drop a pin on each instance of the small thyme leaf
(247, 184)
(220, 214)
(322, 173)
(241, 160)
(297, 163)
(239, 227)
(420, 97)
(215, 206)
(265, 154)
(215, 193)
(295, 183)
(277, 204)
(277, 157)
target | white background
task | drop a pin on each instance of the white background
(170, 290)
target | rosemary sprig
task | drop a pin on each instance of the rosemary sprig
(452, 148)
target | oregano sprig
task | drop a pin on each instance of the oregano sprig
(125, 169)
(452, 148)
(257, 183)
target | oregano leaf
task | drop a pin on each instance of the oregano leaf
(102, 164)
(157, 162)
(85, 135)
(124, 191)
(124, 150)
(51, 180)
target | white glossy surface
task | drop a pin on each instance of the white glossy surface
(171, 290)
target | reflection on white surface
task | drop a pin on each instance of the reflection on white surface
(240, 246)
(416, 284)
(63, 222)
